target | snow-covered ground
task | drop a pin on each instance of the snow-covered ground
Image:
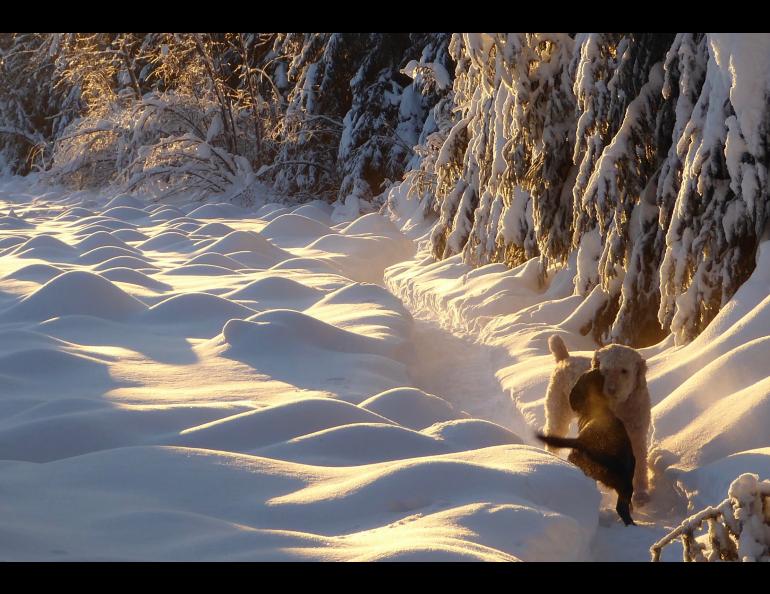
(196, 382)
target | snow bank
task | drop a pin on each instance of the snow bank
(75, 292)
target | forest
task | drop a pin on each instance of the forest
(638, 159)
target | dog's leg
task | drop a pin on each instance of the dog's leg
(641, 484)
(623, 508)
(557, 417)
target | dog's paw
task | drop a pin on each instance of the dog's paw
(641, 498)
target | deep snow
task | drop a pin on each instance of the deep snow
(212, 382)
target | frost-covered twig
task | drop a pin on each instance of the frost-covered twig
(738, 528)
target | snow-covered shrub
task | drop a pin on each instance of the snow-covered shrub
(161, 145)
(187, 114)
(738, 529)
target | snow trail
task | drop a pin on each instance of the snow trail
(464, 373)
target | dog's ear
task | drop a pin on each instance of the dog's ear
(641, 372)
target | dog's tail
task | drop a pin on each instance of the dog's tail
(574, 444)
(558, 348)
(559, 442)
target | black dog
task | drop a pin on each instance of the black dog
(602, 449)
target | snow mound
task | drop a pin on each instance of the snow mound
(6, 243)
(221, 210)
(125, 200)
(253, 260)
(215, 259)
(93, 224)
(334, 361)
(124, 262)
(283, 330)
(36, 272)
(196, 309)
(363, 258)
(293, 230)
(75, 292)
(310, 264)
(41, 243)
(708, 484)
(74, 213)
(246, 241)
(77, 426)
(735, 423)
(268, 208)
(367, 309)
(532, 477)
(201, 270)
(13, 223)
(102, 254)
(166, 214)
(355, 444)
(102, 239)
(313, 211)
(411, 407)
(129, 235)
(13, 340)
(372, 224)
(358, 293)
(250, 430)
(166, 241)
(125, 213)
(185, 227)
(58, 364)
(277, 289)
(134, 277)
(472, 434)
(273, 213)
(214, 230)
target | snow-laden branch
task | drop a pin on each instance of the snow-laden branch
(738, 529)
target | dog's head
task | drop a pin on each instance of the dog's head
(623, 369)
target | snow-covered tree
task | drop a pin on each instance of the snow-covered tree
(34, 107)
(721, 206)
(504, 163)
(640, 152)
(353, 114)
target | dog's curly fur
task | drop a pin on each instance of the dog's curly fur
(625, 385)
(602, 449)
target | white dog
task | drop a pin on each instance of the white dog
(625, 385)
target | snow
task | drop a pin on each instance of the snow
(246, 397)
(711, 397)
(745, 70)
(255, 384)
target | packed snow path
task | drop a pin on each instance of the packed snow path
(188, 382)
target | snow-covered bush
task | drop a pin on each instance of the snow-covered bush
(738, 529)
(162, 145)
(185, 114)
